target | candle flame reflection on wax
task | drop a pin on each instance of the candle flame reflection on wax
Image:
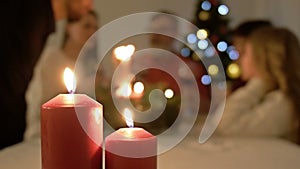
(70, 80)
(128, 118)
(97, 115)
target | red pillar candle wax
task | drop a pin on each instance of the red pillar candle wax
(71, 126)
(130, 148)
(71, 130)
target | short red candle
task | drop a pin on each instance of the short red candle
(131, 148)
(71, 132)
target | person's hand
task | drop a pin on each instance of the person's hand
(71, 9)
(59, 9)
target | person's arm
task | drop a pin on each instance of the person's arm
(59, 9)
(250, 112)
(56, 39)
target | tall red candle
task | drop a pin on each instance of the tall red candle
(71, 132)
(131, 148)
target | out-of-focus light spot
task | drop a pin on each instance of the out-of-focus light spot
(124, 90)
(206, 79)
(203, 15)
(233, 53)
(206, 5)
(192, 38)
(233, 71)
(169, 93)
(213, 70)
(223, 10)
(202, 34)
(209, 52)
(138, 87)
(222, 46)
(124, 53)
(230, 48)
(202, 44)
(185, 52)
(196, 57)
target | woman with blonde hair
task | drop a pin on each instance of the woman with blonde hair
(267, 106)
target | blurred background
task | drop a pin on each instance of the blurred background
(281, 12)
(215, 20)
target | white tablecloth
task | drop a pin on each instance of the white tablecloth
(217, 153)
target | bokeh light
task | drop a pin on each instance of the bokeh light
(196, 57)
(169, 93)
(124, 53)
(185, 52)
(233, 70)
(202, 34)
(206, 79)
(206, 5)
(213, 70)
(138, 87)
(192, 38)
(223, 10)
(232, 53)
(203, 15)
(202, 44)
(209, 52)
(222, 46)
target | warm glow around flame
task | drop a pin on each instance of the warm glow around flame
(69, 79)
(128, 118)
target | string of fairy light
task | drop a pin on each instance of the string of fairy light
(209, 45)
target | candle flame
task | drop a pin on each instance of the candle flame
(124, 53)
(69, 79)
(128, 118)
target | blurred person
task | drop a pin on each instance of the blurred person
(24, 33)
(48, 78)
(168, 26)
(239, 36)
(268, 105)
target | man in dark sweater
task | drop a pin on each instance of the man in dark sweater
(25, 28)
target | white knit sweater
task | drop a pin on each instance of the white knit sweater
(250, 111)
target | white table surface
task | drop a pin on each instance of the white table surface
(217, 153)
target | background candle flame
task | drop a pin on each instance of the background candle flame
(69, 79)
(138, 88)
(124, 53)
(128, 118)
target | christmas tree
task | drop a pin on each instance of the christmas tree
(212, 40)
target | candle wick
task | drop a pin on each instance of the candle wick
(131, 126)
